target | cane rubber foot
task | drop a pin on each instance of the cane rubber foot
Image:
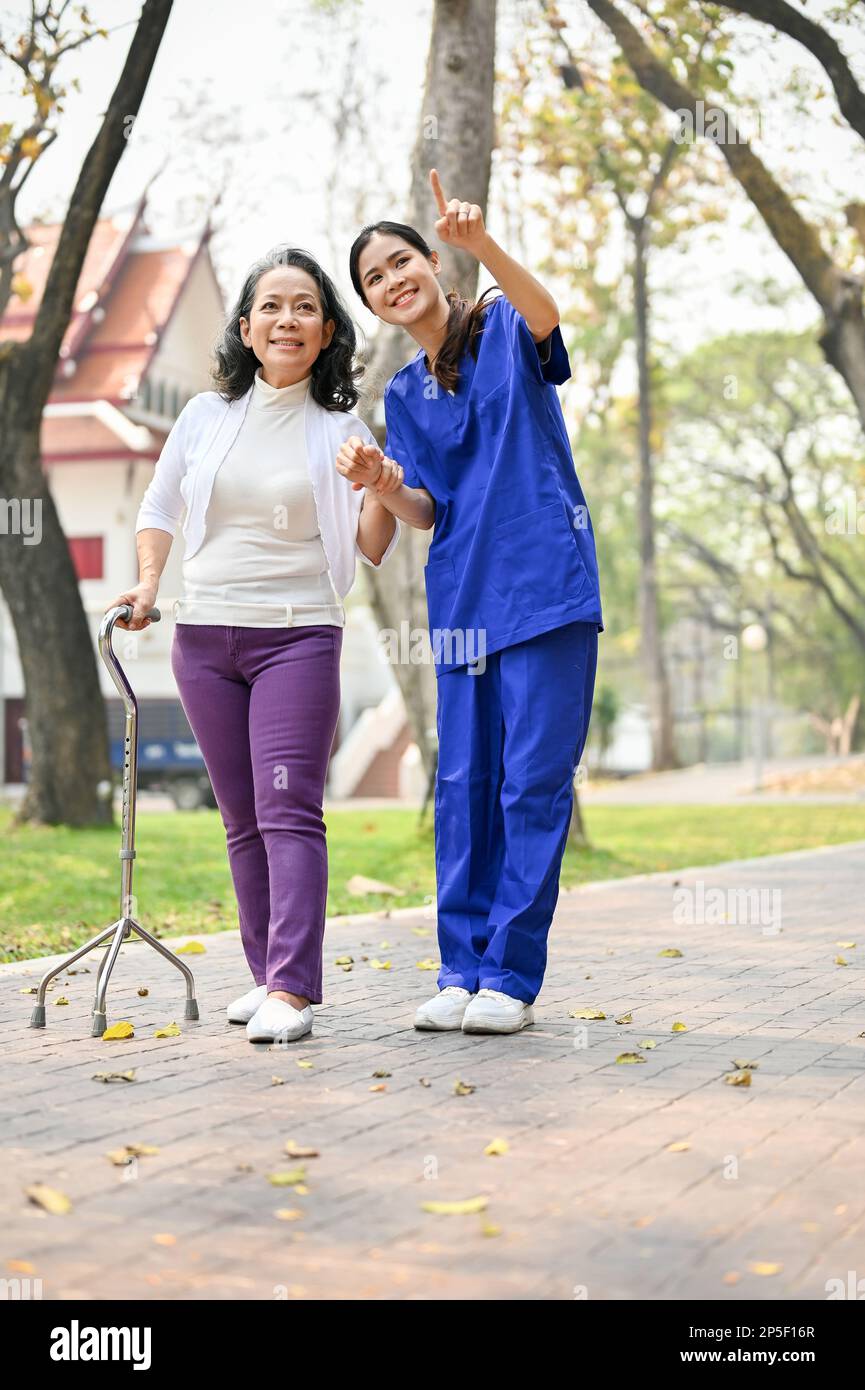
(100, 1023)
(37, 1018)
(191, 1009)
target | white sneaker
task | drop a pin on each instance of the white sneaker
(445, 1010)
(242, 1009)
(490, 1011)
(278, 1021)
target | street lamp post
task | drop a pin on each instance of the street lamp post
(755, 639)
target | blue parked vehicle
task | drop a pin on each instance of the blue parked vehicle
(169, 759)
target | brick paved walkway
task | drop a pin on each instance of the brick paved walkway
(589, 1194)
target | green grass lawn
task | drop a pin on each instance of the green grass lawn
(60, 886)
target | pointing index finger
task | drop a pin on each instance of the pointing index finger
(437, 189)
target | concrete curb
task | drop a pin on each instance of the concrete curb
(426, 912)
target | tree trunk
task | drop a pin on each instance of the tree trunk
(577, 829)
(848, 726)
(660, 712)
(65, 708)
(458, 141)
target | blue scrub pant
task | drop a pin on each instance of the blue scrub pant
(510, 740)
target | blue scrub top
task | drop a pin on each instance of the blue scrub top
(513, 551)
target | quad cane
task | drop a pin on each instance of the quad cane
(126, 924)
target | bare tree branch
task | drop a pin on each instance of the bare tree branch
(790, 21)
(90, 189)
(837, 291)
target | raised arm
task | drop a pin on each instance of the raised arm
(461, 225)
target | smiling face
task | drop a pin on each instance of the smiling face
(399, 283)
(286, 328)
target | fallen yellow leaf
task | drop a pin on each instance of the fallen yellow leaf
(190, 948)
(626, 1058)
(671, 951)
(679, 1028)
(289, 1214)
(463, 1088)
(288, 1177)
(118, 1031)
(496, 1147)
(121, 1157)
(381, 964)
(57, 1203)
(586, 1013)
(468, 1207)
(738, 1078)
(170, 1031)
(625, 1018)
(764, 1268)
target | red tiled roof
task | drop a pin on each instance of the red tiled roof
(123, 302)
(119, 349)
(68, 438)
(106, 245)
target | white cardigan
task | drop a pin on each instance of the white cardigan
(200, 438)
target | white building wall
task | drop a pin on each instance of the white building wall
(184, 353)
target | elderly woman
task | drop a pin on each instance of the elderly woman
(271, 533)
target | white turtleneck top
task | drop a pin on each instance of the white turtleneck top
(262, 562)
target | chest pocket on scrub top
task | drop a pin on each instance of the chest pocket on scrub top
(537, 563)
(493, 415)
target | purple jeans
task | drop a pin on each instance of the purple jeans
(263, 705)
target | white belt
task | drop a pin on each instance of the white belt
(269, 614)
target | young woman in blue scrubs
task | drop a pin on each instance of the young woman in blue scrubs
(475, 424)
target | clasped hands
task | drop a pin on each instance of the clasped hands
(364, 465)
